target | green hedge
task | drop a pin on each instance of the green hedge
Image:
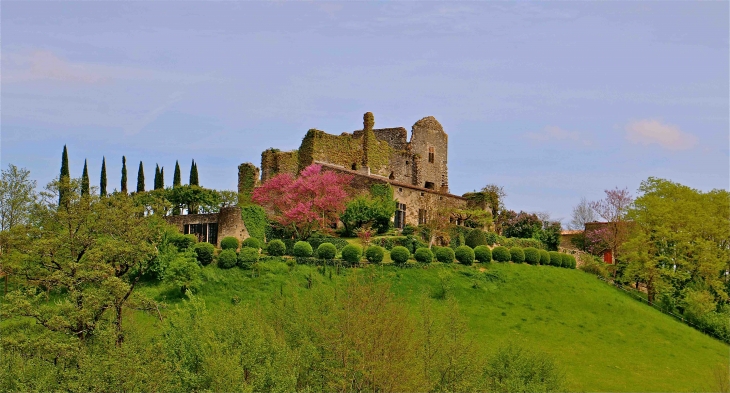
(326, 251)
(412, 243)
(276, 248)
(227, 259)
(248, 256)
(204, 252)
(317, 239)
(476, 238)
(510, 242)
(532, 255)
(544, 257)
(464, 254)
(352, 253)
(423, 255)
(517, 254)
(302, 249)
(483, 254)
(254, 218)
(251, 242)
(400, 254)
(229, 243)
(445, 255)
(555, 258)
(501, 254)
(375, 254)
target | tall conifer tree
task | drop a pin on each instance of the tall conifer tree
(194, 174)
(176, 181)
(162, 178)
(124, 174)
(85, 181)
(156, 184)
(102, 182)
(140, 178)
(65, 178)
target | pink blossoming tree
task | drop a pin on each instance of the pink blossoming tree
(310, 202)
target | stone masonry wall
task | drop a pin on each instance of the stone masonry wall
(428, 133)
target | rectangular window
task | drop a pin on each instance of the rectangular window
(204, 232)
(431, 155)
(399, 221)
(422, 216)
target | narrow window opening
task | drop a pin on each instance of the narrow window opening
(392, 176)
(354, 166)
(430, 185)
(431, 155)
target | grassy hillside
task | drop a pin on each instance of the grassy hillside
(603, 339)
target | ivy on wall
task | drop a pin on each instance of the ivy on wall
(254, 217)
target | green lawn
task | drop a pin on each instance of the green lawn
(605, 340)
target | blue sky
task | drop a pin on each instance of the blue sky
(553, 101)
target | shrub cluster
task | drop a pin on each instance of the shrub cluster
(276, 248)
(483, 254)
(326, 251)
(400, 254)
(352, 253)
(464, 254)
(251, 242)
(375, 254)
(182, 242)
(423, 255)
(445, 255)
(317, 239)
(302, 249)
(229, 243)
(501, 254)
(227, 259)
(248, 256)
(412, 243)
(204, 253)
(476, 238)
(532, 255)
(517, 255)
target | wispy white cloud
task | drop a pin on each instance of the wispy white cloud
(652, 131)
(557, 134)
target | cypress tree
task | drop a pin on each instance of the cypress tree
(85, 181)
(162, 178)
(194, 174)
(140, 178)
(65, 178)
(102, 183)
(176, 179)
(124, 174)
(156, 184)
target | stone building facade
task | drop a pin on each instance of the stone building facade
(417, 169)
(212, 227)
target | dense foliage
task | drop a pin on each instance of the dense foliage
(276, 247)
(501, 254)
(227, 259)
(532, 255)
(423, 255)
(445, 254)
(229, 243)
(464, 254)
(375, 254)
(483, 254)
(248, 256)
(373, 209)
(204, 252)
(400, 254)
(302, 249)
(326, 251)
(517, 255)
(352, 253)
(476, 237)
(251, 242)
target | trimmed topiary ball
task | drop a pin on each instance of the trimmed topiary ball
(555, 258)
(227, 259)
(352, 253)
(248, 256)
(302, 249)
(544, 257)
(423, 255)
(571, 262)
(276, 248)
(483, 254)
(251, 242)
(532, 255)
(464, 254)
(375, 254)
(229, 243)
(326, 251)
(400, 254)
(501, 254)
(517, 254)
(204, 253)
(476, 238)
(564, 260)
(445, 255)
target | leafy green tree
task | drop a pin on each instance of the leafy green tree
(65, 178)
(17, 196)
(85, 181)
(193, 198)
(375, 209)
(124, 175)
(140, 178)
(102, 181)
(176, 180)
(90, 254)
